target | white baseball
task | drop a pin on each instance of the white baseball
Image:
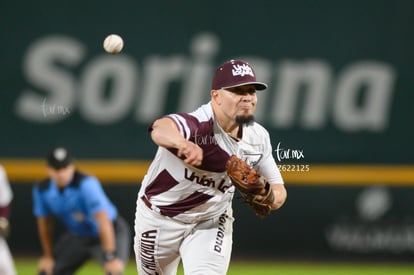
(113, 44)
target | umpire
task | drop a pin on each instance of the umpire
(94, 227)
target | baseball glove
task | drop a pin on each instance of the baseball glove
(253, 187)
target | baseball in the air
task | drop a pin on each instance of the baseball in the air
(113, 44)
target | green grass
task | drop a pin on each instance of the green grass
(27, 266)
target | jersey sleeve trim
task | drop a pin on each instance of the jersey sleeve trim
(181, 124)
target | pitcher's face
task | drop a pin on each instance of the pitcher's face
(238, 103)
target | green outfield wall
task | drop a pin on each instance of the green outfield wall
(338, 107)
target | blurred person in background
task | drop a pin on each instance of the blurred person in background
(6, 195)
(94, 226)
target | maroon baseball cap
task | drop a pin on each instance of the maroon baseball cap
(235, 73)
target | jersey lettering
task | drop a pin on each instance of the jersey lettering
(220, 233)
(204, 181)
(147, 251)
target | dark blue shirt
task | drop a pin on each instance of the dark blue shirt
(75, 205)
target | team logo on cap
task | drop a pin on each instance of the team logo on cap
(242, 70)
(60, 154)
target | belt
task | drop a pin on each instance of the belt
(147, 202)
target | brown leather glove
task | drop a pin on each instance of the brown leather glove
(253, 187)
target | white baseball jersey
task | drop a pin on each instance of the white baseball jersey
(6, 194)
(190, 194)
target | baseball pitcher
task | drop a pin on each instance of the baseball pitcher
(183, 207)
